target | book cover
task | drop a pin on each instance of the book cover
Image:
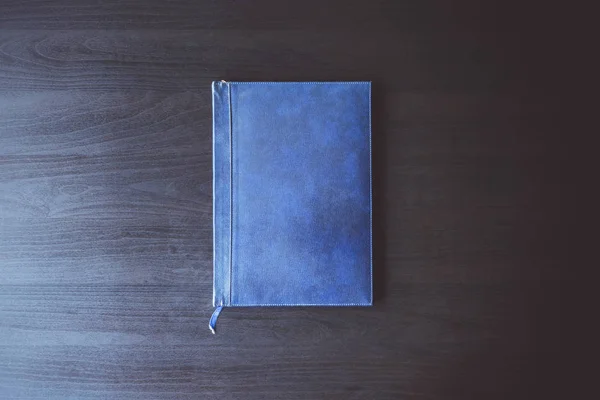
(291, 194)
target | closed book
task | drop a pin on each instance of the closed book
(292, 205)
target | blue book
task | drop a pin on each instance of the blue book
(292, 201)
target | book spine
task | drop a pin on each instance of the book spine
(222, 195)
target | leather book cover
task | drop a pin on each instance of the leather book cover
(292, 194)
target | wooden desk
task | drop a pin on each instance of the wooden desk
(106, 202)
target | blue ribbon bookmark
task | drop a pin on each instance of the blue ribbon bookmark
(213, 320)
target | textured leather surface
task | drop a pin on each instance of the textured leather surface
(298, 175)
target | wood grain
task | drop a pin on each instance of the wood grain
(190, 59)
(106, 202)
(189, 14)
(147, 339)
(105, 123)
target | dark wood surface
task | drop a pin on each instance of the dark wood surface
(106, 203)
